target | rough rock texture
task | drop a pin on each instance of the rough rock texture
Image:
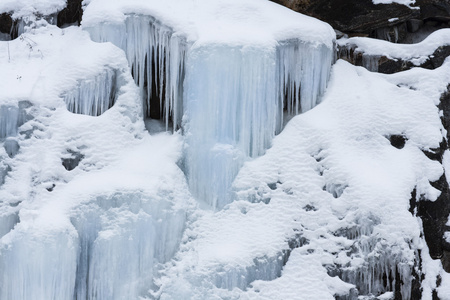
(438, 10)
(71, 14)
(390, 66)
(358, 16)
(392, 22)
(5, 23)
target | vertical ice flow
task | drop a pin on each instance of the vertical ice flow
(231, 98)
(156, 57)
(93, 97)
(234, 99)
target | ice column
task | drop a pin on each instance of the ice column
(122, 240)
(37, 268)
(234, 99)
(231, 112)
(12, 117)
(303, 72)
(156, 57)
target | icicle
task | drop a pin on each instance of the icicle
(370, 62)
(303, 72)
(156, 57)
(12, 117)
(234, 106)
(93, 97)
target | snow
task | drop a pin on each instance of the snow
(254, 70)
(403, 2)
(416, 53)
(92, 206)
(27, 8)
(232, 22)
(123, 206)
(332, 191)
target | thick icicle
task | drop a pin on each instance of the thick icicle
(234, 101)
(303, 72)
(41, 269)
(12, 117)
(117, 260)
(156, 57)
(93, 97)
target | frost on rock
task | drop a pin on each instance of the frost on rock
(156, 58)
(93, 97)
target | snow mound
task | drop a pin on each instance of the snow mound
(233, 22)
(416, 53)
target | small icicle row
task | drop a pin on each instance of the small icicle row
(93, 97)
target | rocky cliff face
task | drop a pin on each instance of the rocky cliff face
(386, 21)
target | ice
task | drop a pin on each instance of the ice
(125, 232)
(23, 265)
(156, 58)
(93, 96)
(12, 117)
(232, 97)
(303, 71)
(234, 102)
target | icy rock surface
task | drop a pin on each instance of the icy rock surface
(374, 51)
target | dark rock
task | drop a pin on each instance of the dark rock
(6, 23)
(434, 216)
(353, 15)
(390, 66)
(438, 10)
(397, 141)
(71, 14)
(437, 59)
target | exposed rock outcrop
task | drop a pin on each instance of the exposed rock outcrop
(393, 22)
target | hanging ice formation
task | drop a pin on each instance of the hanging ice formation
(93, 97)
(232, 97)
(150, 235)
(234, 101)
(156, 57)
(12, 117)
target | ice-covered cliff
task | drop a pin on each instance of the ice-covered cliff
(211, 150)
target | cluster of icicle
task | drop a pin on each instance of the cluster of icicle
(104, 260)
(303, 71)
(234, 104)
(385, 267)
(154, 54)
(11, 118)
(231, 99)
(93, 96)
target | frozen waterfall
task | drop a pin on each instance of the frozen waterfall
(234, 104)
(156, 57)
(233, 98)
